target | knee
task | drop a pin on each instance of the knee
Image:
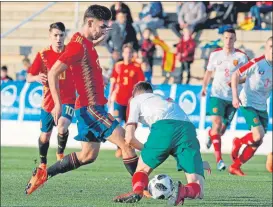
(44, 137)
(87, 157)
(62, 129)
(217, 124)
(258, 136)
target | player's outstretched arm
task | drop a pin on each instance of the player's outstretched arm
(130, 137)
(53, 81)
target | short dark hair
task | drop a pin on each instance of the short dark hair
(128, 45)
(230, 30)
(147, 28)
(143, 86)
(57, 25)
(97, 12)
(5, 68)
(26, 60)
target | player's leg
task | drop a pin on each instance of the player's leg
(140, 181)
(228, 117)
(156, 150)
(128, 154)
(87, 155)
(188, 150)
(194, 189)
(63, 124)
(120, 115)
(217, 113)
(106, 128)
(47, 124)
(74, 160)
(226, 122)
(257, 121)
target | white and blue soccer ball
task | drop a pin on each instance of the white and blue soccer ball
(161, 187)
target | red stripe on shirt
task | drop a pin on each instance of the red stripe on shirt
(237, 50)
(249, 64)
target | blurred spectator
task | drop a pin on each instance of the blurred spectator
(151, 17)
(147, 47)
(243, 6)
(119, 6)
(124, 77)
(4, 75)
(21, 75)
(122, 33)
(185, 54)
(116, 57)
(256, 10)
(26, 63)
(190, 15)
(147, 70)
(226, 14)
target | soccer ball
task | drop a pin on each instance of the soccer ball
(161, 187)
(269, 160)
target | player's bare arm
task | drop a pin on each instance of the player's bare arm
(234, 85)
(206, 81)
(241, 81)
(53, 81)
(130, 137)
(40, 78)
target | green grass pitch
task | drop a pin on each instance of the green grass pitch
(96, 184)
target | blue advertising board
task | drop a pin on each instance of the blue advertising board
(22, 101)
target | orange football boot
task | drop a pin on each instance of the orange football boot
(39, 177)
(236, 171)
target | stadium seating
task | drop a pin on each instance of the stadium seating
(35, 34)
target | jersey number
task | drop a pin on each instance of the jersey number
(125, 81)
(69, 110)
(226, 72)
(62, 76)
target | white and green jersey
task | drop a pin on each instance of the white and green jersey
(258, 85)
(148, 108)
(224, 65)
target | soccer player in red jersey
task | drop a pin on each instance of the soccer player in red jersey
(95, 125)
(38, 72)
(124, 77)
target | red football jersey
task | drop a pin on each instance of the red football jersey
(125, 77)
(43, 62)
(87, 73)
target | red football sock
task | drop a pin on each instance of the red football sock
(140, 181)
(245, 156)
(192, 190)
(216, 141)
(247, 139)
